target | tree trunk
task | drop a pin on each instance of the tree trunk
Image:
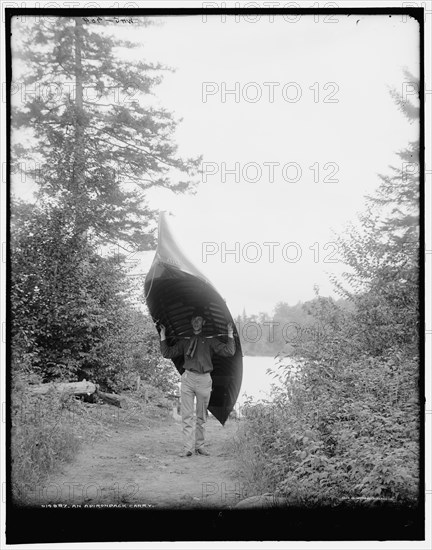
(79, 149)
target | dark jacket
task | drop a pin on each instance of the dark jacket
(205, 348)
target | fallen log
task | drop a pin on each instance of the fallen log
(80, 389)
(75, 388)
(112, 399)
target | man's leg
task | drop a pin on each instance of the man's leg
(187, 408)
(203, 391)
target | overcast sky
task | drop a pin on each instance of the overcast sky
(311, 93)
(347, 127)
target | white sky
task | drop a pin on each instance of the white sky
(360, 133)
(362, 56)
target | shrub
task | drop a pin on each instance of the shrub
(346, 432)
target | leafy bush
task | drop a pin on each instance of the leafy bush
(331, 433)
(71, 314)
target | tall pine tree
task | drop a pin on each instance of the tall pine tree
(100, 145)
(99, 140)
(382, 253)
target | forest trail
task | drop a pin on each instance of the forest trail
(140, 466)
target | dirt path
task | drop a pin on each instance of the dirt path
(140, 466)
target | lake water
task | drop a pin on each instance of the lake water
(256, 382)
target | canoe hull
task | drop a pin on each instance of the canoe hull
(172, 294)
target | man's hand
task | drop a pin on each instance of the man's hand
(162, 332)
(230, 330)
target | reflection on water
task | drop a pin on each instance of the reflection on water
(256, 382)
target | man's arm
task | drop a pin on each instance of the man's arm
(169, 352)
(225, 350)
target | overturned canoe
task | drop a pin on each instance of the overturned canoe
(174, 288)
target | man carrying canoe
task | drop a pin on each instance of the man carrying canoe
(196, 380)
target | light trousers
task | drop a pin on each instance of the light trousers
(199, 386)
